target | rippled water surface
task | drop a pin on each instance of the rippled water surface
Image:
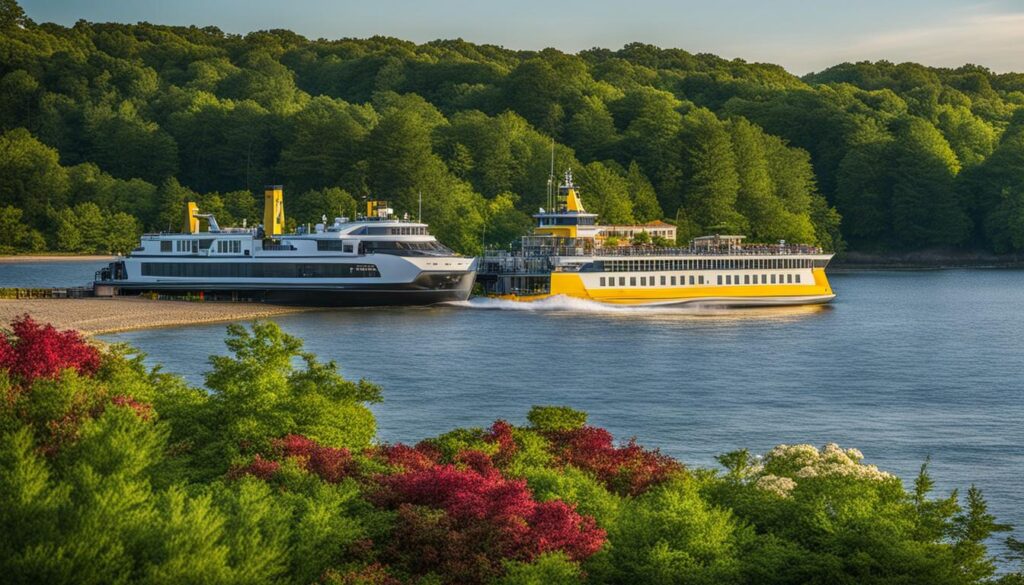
(904, 365)
(57, 273)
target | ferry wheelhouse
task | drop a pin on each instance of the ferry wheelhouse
(570, 254)
(375, 259)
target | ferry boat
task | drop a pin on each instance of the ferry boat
(375, 259)
(570, 254)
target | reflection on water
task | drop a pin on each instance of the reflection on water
(903, 366)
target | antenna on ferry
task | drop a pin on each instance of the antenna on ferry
(551, 176)
(419, 216)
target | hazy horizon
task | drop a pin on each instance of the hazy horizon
(801, 38)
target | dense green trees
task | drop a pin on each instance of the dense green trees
(905, 156)
(113, 472)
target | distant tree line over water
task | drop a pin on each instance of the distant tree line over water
(107, 129)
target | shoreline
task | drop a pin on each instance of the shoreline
(26, 258)
(98, 316)
(924, 260)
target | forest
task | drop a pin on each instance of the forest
(107, 129)
(114, 472)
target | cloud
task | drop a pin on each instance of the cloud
(995, 40)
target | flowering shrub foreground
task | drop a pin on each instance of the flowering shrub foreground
(111, 472)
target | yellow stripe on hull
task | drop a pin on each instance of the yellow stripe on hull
(571, 284)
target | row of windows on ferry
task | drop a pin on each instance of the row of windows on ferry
(258, 270)
(703, 264)
(404, 230)
(698, 279)
(193, 246)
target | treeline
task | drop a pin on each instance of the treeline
(137, 118)
(111, 472)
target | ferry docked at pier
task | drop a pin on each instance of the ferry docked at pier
(374, 259)
(570, 254)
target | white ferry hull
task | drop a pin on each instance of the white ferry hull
(427, 289)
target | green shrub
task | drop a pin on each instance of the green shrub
(556, 418)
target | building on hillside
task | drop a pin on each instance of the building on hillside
(626, 233)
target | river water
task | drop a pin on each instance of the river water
(903, 365)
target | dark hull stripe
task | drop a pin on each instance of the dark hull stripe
(427, 289)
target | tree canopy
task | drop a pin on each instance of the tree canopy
(876, 155)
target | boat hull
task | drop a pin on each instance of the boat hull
(815, 290)
(427, 289)
(787, 301)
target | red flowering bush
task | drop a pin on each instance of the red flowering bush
(259, 468)
(462, 522)
(372, 574)
(629, 469)
(41, 351)
(404, 457)
(501, 433)
(142, 410)
(330, 463)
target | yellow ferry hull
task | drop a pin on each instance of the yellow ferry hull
(571, 284)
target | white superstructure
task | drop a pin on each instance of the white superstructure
(373, 260)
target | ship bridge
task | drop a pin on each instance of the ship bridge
(569, 219)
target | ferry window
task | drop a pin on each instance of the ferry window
(663, 280)
(773, 279)
(347, 248)
(165, 246)
(746, 279)
(789, 279)
(719, 279)
(643, 281)
(736, 279)
(673, 281)
(728, 279)
(632, 281)
(691, 280)
(700, 279)
(602, 281)
(798, 279)
(258, 270)
(622, 281)
(328, 245)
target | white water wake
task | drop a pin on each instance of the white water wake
(667, 313)
(562, 303)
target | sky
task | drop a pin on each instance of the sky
(802, 36)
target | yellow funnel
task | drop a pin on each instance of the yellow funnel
(273, 210)
(573, 201)
(191, 221)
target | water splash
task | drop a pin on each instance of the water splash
(561, 304)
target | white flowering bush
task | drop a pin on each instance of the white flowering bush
(799, 462)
